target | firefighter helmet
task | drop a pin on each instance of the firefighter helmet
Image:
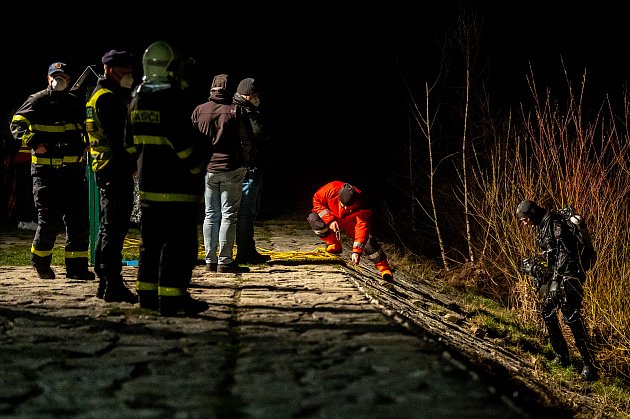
(162, 63)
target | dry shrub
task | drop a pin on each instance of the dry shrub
(555, 157)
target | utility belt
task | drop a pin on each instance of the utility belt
(56, 161)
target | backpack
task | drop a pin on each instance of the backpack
(576, 223)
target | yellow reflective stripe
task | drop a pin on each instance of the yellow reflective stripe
(169, 197)
(55, 128)
(170, 291)
(41, 253)
(131, 149)
(76, 254)
(20, 118)
(185, 153)
(24, 150)
(151, 140)
(56, 161)
(146, 286)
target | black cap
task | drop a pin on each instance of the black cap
(247, 87)
(347, 195)
(116, 58)
(57, 68)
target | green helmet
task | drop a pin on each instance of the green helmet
(156, 61)
(164, 64)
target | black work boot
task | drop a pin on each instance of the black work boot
(45, 272)
(83, 275)
(117, 292)
(185, 304)
(42, 266)
(148, 300)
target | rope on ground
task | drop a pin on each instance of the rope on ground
(318, 255)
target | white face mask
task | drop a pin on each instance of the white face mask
(255, 101)
(59, 84)
(126, 81)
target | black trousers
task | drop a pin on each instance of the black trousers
(61, 199)
(169, 247)
(116, 205)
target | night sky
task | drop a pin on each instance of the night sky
(331, 73)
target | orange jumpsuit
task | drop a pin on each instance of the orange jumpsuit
(355, 220)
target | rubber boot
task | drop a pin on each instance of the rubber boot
(385, 270)
(557, 341)
(584, 347)
(334, 245)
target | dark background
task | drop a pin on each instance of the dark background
(331, 72)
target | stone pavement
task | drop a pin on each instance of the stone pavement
(287, 340)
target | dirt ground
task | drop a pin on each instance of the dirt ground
(414, 305)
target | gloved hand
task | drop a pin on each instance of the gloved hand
(355, 258)
(555, 291)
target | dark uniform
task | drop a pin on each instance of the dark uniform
(565, 291)
(54, 119)
(171, 163)
(113, 170)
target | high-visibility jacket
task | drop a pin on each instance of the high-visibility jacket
(54, 119)
(355, 219)
(171, 155)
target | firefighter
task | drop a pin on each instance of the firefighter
(50, 123)
(340, 206)
(171, 166)
(106, 117)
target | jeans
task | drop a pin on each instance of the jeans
(222, 200)
(250, 205)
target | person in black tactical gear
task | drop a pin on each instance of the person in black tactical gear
(106, 117)
(563, 282)
(171, 159)
(50, 123)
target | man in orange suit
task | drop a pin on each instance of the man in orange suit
(340, 206)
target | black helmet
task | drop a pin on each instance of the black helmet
(531, 210)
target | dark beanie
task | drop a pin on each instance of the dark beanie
(347, 195)
(247, 87)
(115, 58)
(219, 82)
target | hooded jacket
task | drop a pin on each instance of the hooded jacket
(228, 137)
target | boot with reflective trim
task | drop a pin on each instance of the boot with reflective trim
(334, 245)
(385, 270)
